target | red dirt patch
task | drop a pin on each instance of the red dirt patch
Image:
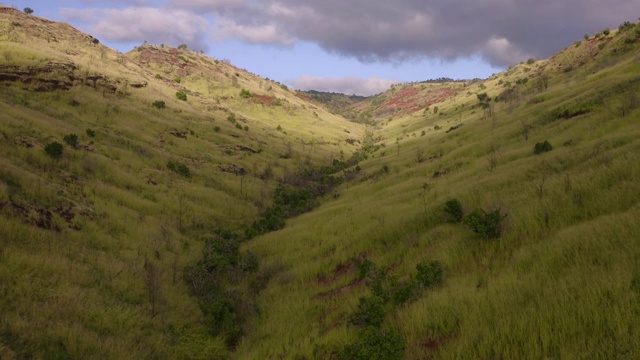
(264, 99)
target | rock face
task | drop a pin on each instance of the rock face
(55, 71)
(50, 76)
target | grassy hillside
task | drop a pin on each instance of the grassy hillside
(96, 242)
(491, 218)
(359, 277)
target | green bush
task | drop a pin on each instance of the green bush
(91, 133)
(376, 343)
(370, 311)
(158, 76)
(28, 10)
(54, 149)
(486, 224)
(71, 140)
(231, 118)
(245, 94)
(430, 274)
(179, 168)
(238, 126)
(404, 291)
(216, 129)
(181, 95)
(159, 104)
(453, 209)
(542, 147)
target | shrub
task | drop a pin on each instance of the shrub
(54, 149)
(178, 80)
(179, 168)
(245, 94)
(216, 129)
(365, 267)
(626, 26)
(71, 140)
(182, 47)
(231, 118)
(28, 10)
(158, 76)
(238, 126)
(158, 104)
(246, 128)
(486, 224)
(370, 312)
(531, 61)
(376, 343)
(430, 274)
(181, 95)
(405, 291)
(542, 147)
(91, 133)
(453, 209)
(606, 32)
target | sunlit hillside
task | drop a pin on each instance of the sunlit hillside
(168, 205)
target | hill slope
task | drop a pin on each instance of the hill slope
(499, 223)
(99, 240)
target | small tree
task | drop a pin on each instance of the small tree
(71, 140)
(158, 104)
(542, 147)
(182, 47)
(430, 274)
(181, 95)
(486, 224)
(54, 149)
(28, 10)
(453, 209)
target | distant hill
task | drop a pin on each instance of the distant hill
(335, 102)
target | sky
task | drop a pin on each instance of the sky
(350, 46)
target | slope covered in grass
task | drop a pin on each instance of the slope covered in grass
(97, 241)
(562, 278)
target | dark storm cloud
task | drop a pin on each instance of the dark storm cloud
(501, 31)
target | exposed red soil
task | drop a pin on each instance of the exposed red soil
(264, 99)
(410, 100)
(305, 97)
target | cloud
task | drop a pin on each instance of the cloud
(501, 31)
(138, 24)
(345, 85)
(261, 34)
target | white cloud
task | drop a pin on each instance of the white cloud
(138, 24)
(261, 34)
(501, 51)
(345, 85)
